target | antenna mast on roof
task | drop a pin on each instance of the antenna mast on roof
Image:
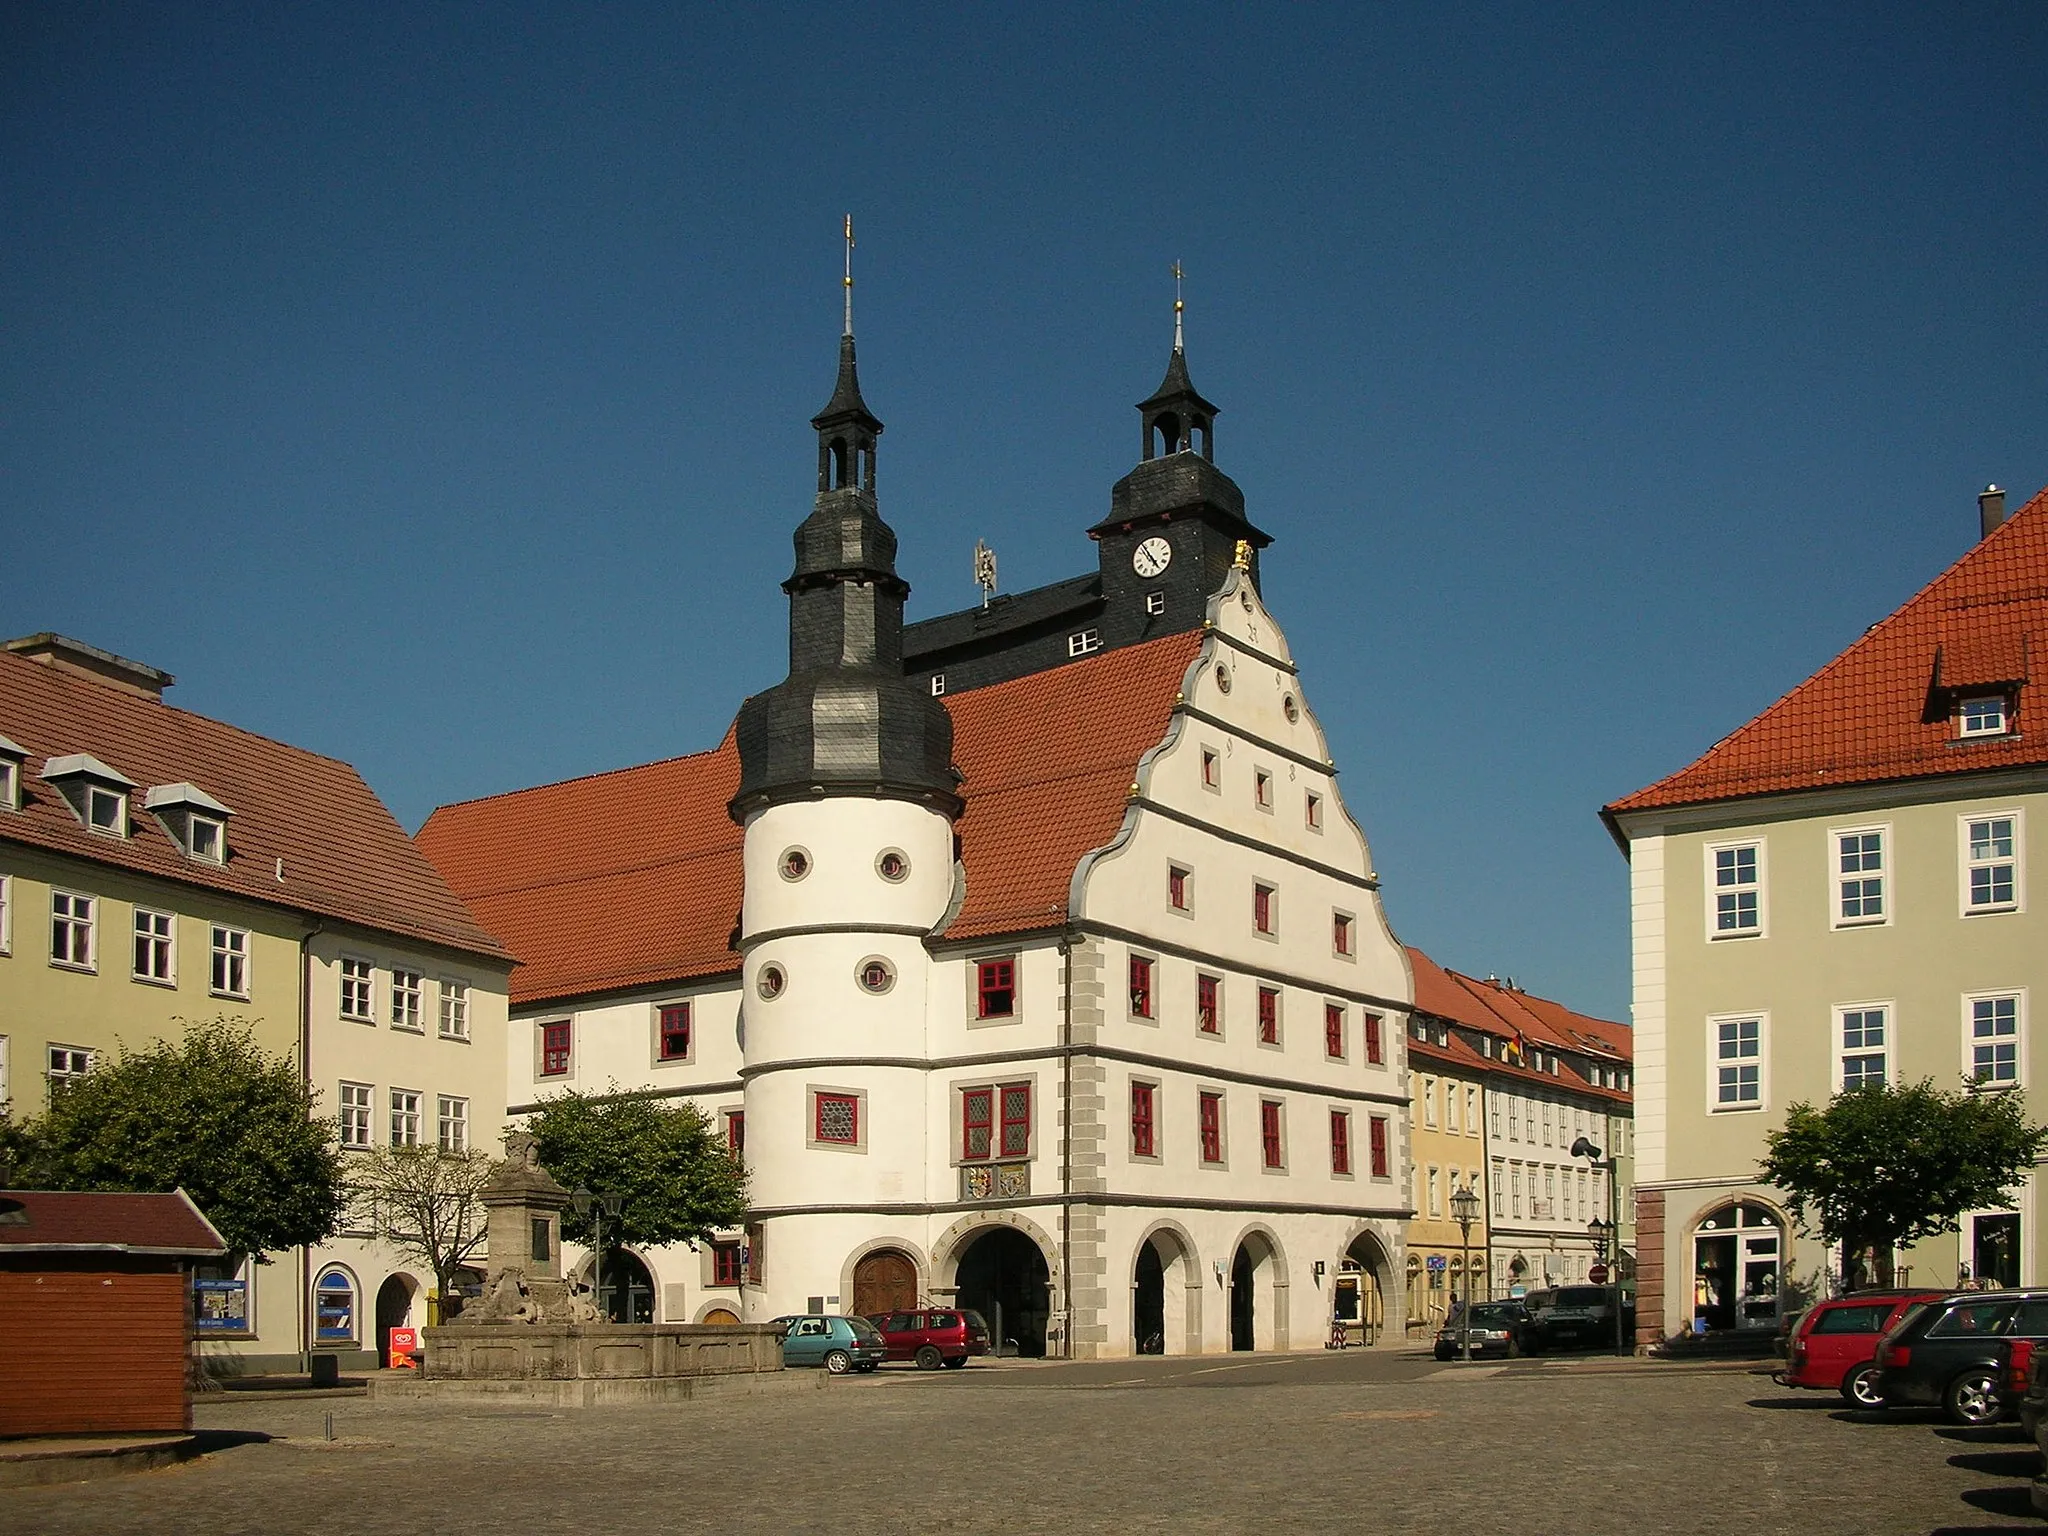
(984, 571)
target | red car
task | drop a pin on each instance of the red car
(941, 1336)
(1834, 1346)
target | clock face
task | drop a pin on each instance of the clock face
(1152, 556)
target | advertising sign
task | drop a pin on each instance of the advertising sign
(405, 1343)
(220, 1306)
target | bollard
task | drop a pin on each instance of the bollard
(330, 1426)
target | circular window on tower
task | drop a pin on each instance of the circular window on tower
(1289, 708)
(875, 974)
(796, 863)
(770, 982)
(892, 866)
(1222, 678)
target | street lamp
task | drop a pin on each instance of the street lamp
(597, 1207)
(1602, 1231)
(1465, 1211)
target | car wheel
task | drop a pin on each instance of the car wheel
(954, 1365)
(839, 1362)
(1972, 1398)
(927, 1358)
(1513, 1349)
(1860, 1386)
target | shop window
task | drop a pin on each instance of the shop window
(334, 1308)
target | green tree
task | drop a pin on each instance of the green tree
(429, 1204)
(676, 1180)
(1882, 1167)
(212, 1114)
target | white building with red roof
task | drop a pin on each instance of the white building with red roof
(1029, 955)
(1836, 894)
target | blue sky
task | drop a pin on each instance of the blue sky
(429, 385)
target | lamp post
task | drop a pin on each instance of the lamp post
(1465, 1210)
(1611, 1229)
(597, 1207)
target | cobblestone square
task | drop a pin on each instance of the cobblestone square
(1381, 1442)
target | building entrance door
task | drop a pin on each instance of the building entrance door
(884, 1281)
(1737, 1254)
(1004, 1277)
(1148, 1302)
(394, 1308)
(1995, 1249)
(1243, 1308)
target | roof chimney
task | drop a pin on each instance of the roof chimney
(1990, 508)
(75, 656)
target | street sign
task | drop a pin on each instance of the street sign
(1597, 1274)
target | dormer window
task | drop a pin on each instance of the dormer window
(97, 795)
(11, 758)
(193, 819)
(1984, 715)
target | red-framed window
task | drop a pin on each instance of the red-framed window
(1208, 1009)
(1262, 908)
(1015, 1103)
(1340, 1141)
(1212, 768)
(1143, 1096)
(977, 1123)
(995, 989)
(1333, 1031)
(554, 1048)
(1340, 932)
(674, 1022)
(736, 1132)
(1269, 1133)
(1176, 887)
(1262, 789)
(1211, 1120)
(1375, 1047)
(1313, 812)
(1269, 1015)
(1377, 1130)
(725, 1264)
(835, 1117)
(1141, 987)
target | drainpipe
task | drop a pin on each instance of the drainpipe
(306, 1079)
(1066, 1144)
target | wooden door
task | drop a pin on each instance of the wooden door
(884, 1281)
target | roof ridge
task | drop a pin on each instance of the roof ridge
(579, 778)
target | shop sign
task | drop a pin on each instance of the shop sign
(405, 1343)
(220, 1306)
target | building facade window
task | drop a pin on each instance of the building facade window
(1340, 1142)
(1141, 987)
(1333, 1031)
(726, 1270)
(230, 961)
(1340, 933)
(1859, 877)
(454, 1010)
(451, 1123)
(66, 1064)
(1272, 1145)
(1376, 1145)
(405, 1000)
(555, 1041)
(1208, 1005)
(1994, 1039)
(334, 1309)
(106, 810)
(1991, 864)
(1865, 1045)
(1144, 1119)
(1176, 888)
(203, 839)
(1738, 1062)
(1471, 1110)
(995, 989)
(1209, 1118)
(155, 947)
(1736, 875)
(1435, 1188)
(1262, 789)
(1427, 1096)
(835, 1119)
(355, 1116)
(938, 684)
(72, 921)
(357, 979)
(1982, 716)
(1084, 642)
(405, 1117)
(1264, 900)
(1212, 769)
(1269, 1015)
(736, 1132)
(1312, 811)
(1375, 1040)
(672, 1031)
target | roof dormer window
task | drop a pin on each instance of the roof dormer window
(11, 758)
(194, 820)
(97, 795)
(1985, 714)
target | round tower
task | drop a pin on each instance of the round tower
(848, 795)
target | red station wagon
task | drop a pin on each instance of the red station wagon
(942, 1336)
(1835, 1345)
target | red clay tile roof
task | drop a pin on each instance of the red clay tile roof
(1881, 709)
(1506, 1013)
(632, 878)
(43, 1218)
(344, 855)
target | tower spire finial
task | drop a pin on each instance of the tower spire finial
(848, 281)
(1177, 307)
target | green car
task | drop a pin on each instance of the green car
(840, 1344)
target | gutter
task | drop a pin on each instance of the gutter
(306, 1080)
(1066, 947)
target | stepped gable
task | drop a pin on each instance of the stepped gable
(632, 878)
(344, 855)
(1881, 709)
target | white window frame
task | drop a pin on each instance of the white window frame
(356, 1108)
(93, 794)
(406, 1116)
(75, 920)
(4, 1094)
(162, 938)
(229, 973)
(451, 1123)
(10, 784)
(2018, 997)
(1967, 731)
(6, 919)
(938, 684)
(1715, 1105)
(70, 1073)
(408, 1001)
(1711, 861)
(453, 1008)
(1839, 878)
(1967, 865)
(193, 823)
(1885, 1049)
(1083, 642)
(366, 977)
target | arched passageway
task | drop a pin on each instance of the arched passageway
(1166, 1295)
(1364, 1280)
(394, 1310)
(1004, 1277)
(625, 1290)
(1257, 1295)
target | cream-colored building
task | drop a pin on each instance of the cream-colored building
(158, 866)
(1837, 894)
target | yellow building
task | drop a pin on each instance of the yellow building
(158, 866)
